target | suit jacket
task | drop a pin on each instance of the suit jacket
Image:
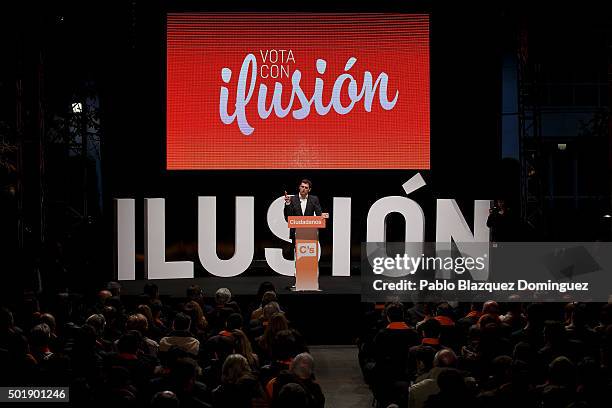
(313, 207)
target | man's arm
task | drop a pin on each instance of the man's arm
(287, 210)
(317, 206)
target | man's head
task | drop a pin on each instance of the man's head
(303, 366)
(395, 312)
(181, 322)
(223, 296)
(445, 358)
(305, 187)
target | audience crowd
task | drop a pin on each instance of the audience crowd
(149, 353)
(211, 352)
(432, 355)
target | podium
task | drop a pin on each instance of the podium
(306, 250)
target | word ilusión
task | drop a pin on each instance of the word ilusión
(247, 81)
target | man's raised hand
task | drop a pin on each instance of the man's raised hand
(287, 198)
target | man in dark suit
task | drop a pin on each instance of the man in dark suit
(303, 203)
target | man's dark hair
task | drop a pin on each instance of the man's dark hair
(182, 321)
(128, 343)
(395, 312)
(264, 287)
(183, 370)
(114, 288)
(164, 399)
(292, 395)
(284, 345)
(194, 292)
(425, 354)
(444, 309)
(40, 335)
(234, 321)
(306, 181)
(430, 328)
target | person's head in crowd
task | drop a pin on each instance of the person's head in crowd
(579, 317)
(394, 312)
(181, 322)
(115, 301)
(40, 336)
(444, 309)
(97, 322)
(234, 322)
(242, 346)
(103, 295)
(490, 307)
(151, 290)
(424, 357)
(561, 371)
(606, 349)
(269, 310)
(234, 368)
(487, 319)
(268, 297)
(292, 395)
(223, 296)
(145, 310)
(302, 366)
(114, 288)
(284, 346)
(110, 314)
(605, 315)
(452, 384)
(7, 323)
(535, 315)
(84, 340)
(523, 351)
(445, 358)
(520, 374)
(195, 312)
(183, 372)
(501, 370)
(554, 332)
(156, 309)
(588, 372)
(195, 293)
(277, 323)
(129, 342)
(137, 322)
(49, 319)
(430, 329)
(265, 287)
(164, 399)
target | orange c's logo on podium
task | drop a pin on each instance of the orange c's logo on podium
(306, 249)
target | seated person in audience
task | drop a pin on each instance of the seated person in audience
(139, 323)
(301, 372)
(239, 387)
(266, 298)
(430, 333)
(180, 337)
(291, 395)
(427, 386)
(224, 306)
(285, 346)
(450, 334)
(258, 327)
(391, 353)
(181, 380)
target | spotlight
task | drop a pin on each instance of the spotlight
(561, 146)
(77, 107)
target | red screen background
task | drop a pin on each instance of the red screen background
(200, 45)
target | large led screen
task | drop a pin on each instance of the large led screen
(297, 91)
